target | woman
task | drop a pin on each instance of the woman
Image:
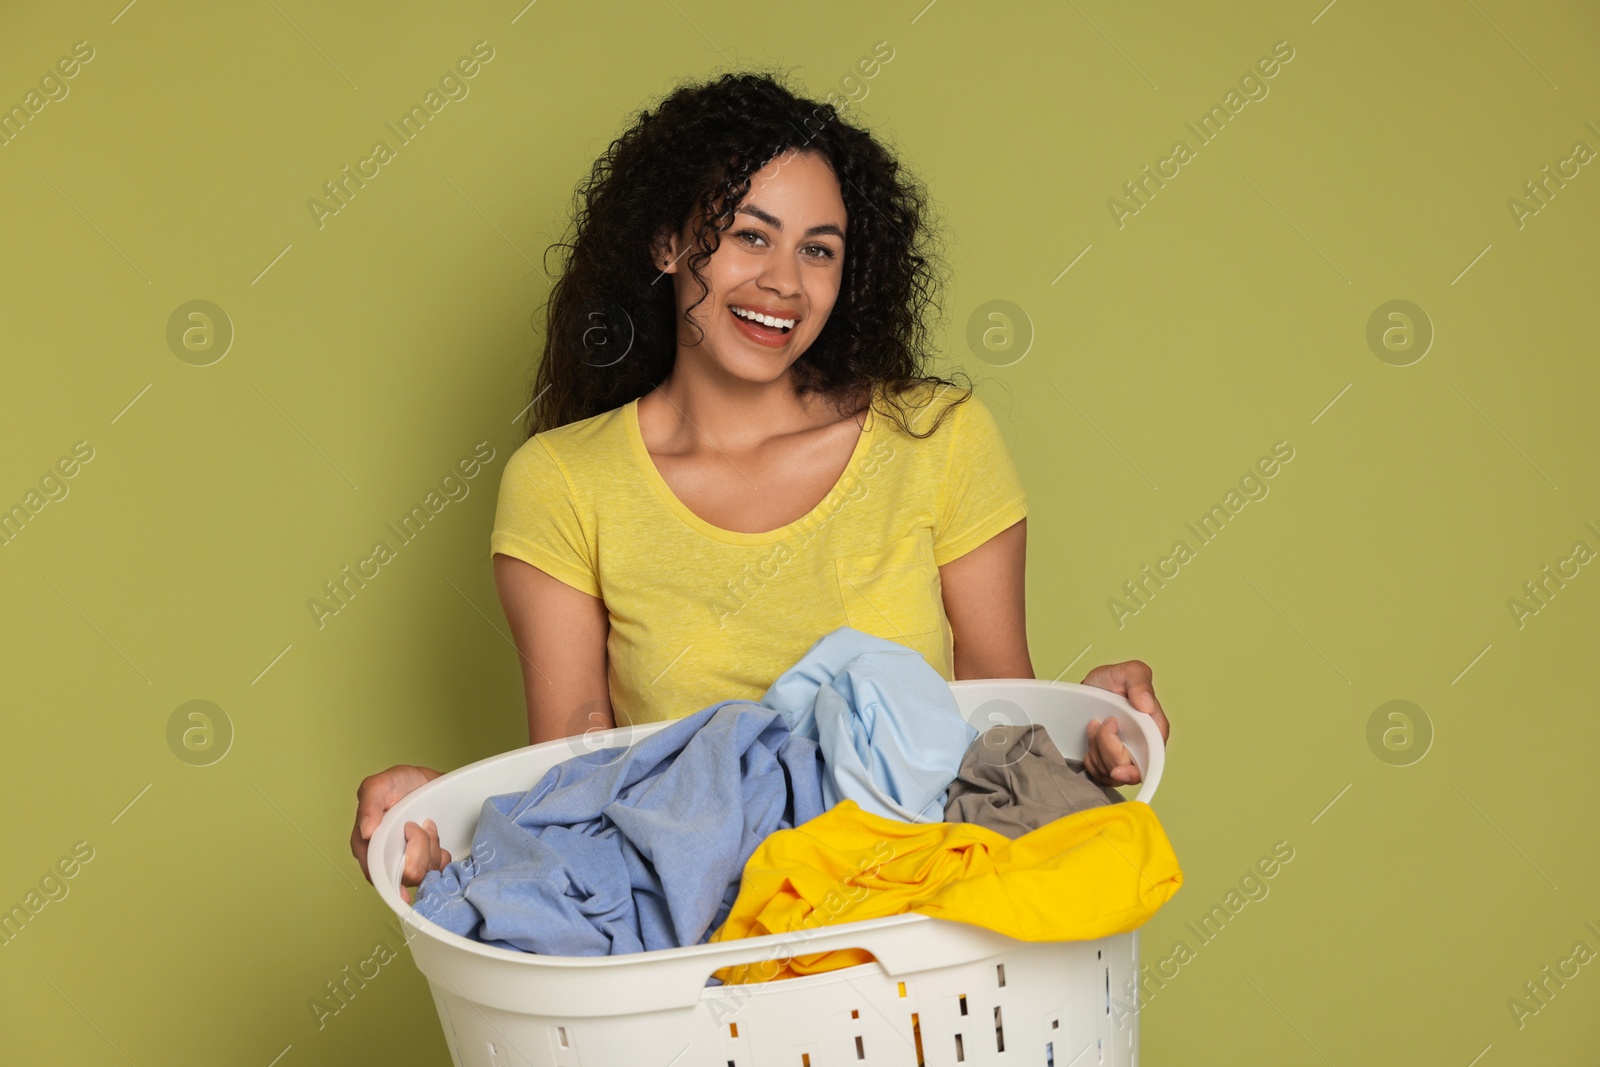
(733, 449)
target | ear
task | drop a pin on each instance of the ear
(664, 252)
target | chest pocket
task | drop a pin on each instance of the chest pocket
(894, 594)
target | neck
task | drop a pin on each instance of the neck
(734, 414)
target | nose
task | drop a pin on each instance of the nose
(780, 273)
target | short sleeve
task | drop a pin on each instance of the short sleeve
(981, 493)
(537, 519)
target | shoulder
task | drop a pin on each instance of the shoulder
(569, 453)
(955, 431)
(577, 435)
(930, 411)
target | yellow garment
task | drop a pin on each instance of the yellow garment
(1087, 875)
(700, 614)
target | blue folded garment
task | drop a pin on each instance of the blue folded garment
(891, 733)
(632, 849)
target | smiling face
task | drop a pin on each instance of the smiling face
(774, 277)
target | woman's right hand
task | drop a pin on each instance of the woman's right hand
(375, 796)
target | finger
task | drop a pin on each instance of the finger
(416, 865)
(1091, 752)
(1123, 769)
(434, 849)
(372, 801)
(1111, 746)
(358, 848)
(406, 860)
(1099, 761)
(1128, 773)
(368, 815)
(1118, 771)
(1115, 757)
(1142, 695)
(1101, 677)
(1116, 677)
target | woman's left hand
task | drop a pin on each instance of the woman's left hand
(1106, 759)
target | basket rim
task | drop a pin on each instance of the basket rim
(832, 935)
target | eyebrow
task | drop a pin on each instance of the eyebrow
(777, 224)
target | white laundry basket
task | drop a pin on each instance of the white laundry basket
(941, 992)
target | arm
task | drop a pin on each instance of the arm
(560, 634)
(983, 597)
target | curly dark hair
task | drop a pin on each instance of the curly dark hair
(610, 333)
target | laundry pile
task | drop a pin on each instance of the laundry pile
(853, 789)
(630, 849)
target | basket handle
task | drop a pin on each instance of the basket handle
(1144, 744)
(1064, 709)
(901, 944)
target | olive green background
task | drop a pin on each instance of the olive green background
(1229, 313)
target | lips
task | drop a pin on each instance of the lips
(762, 334)
(782, 314)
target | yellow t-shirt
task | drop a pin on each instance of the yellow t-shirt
(1081, 877)
(700, 614)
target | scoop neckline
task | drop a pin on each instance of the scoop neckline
(737, 537)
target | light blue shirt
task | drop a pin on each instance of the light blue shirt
(891, 733)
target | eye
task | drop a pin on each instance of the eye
(755, 238)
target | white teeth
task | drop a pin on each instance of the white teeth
(766, 320)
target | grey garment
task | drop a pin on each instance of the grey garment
(1013, 779)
